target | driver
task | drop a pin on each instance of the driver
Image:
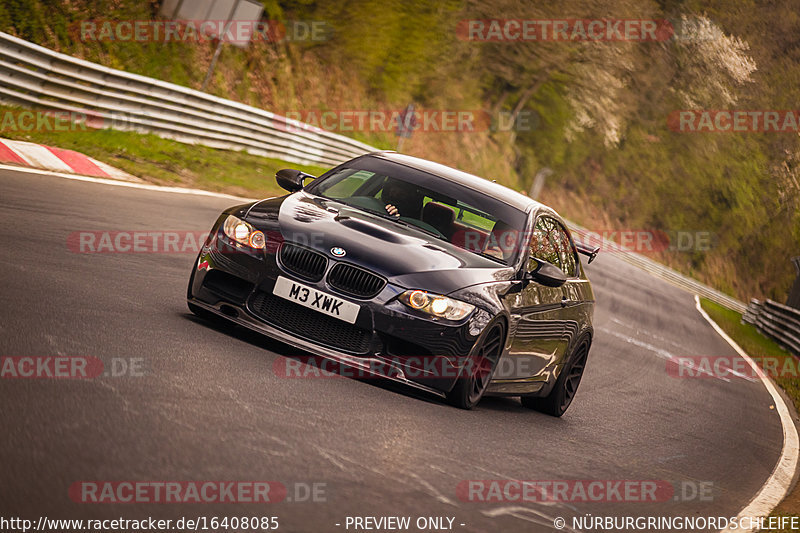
(502, 242)
(402, 199)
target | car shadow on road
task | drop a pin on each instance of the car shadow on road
(313, 364)
(309, 365)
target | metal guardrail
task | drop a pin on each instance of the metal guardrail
(35, 77)
(777, 321)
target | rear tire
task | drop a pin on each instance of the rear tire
(560, 398)
(479, 369)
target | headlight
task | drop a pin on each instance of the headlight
(243, 233)
(436, 305)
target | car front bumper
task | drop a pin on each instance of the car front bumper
(387, 340)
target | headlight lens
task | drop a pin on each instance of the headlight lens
(243, 233)
(436, 305)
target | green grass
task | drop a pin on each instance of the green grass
(779, 364)
(166, 162)
(763, 349)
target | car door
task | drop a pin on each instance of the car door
(574, 291)
(539, 326)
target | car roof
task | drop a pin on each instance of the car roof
(489, 188)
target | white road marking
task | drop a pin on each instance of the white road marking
(649, 333)
(779, 482)
(664, 354)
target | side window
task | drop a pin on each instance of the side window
(544, 243)
(551, 243)
(567, 252)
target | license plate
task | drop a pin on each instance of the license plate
(316, 300)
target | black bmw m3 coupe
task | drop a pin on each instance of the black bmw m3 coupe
(412, 271)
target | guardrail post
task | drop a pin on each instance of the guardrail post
(218, 51)
(793, 300)
(177, 9)
(753, 310)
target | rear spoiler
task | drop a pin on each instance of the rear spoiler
(589, 251)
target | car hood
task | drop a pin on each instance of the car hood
(405, 256)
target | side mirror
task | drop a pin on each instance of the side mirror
(547, 275)
(291, 179)
(589, 251)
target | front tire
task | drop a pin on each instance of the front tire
(479, 369)
(560, 398)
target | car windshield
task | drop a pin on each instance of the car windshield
(437, 206)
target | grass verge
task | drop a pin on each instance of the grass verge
(777, 362)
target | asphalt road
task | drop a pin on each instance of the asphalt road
(210, 406)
